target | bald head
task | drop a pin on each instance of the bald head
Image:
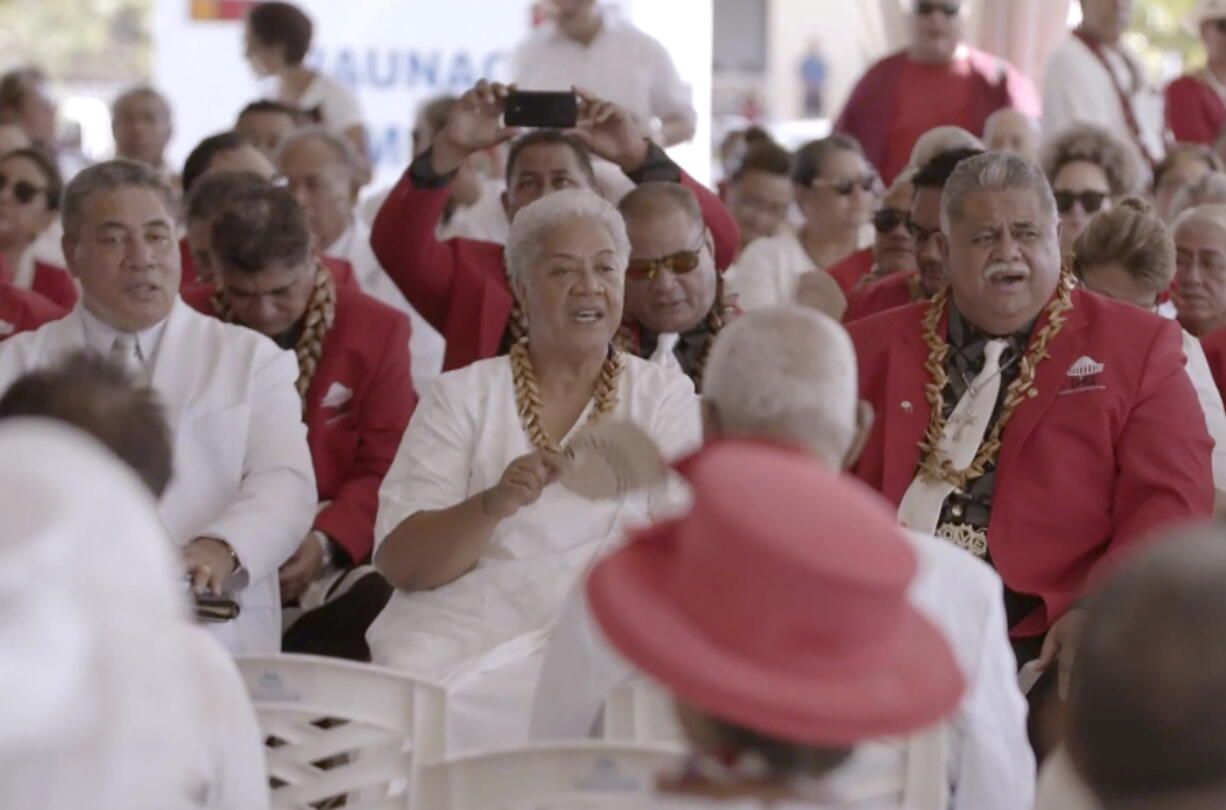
(1011, 130)
(1149, 690)
(786, 374)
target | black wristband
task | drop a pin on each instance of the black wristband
(421, 172)
(657, 167)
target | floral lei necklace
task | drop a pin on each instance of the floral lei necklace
(934, 462)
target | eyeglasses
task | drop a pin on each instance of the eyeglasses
(678, 264)
(844, 188)
(887, 219)
(1090, 201)
(23, 190)
(924, 8)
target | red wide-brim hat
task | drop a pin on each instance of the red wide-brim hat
(779, 604)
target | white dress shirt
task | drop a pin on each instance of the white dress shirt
(1077, 88)
(101, 337)
(1210, 402)
(243, 472)
(472, 633)
(990, 765)
(426, 345)
(621, 64)
(338, 105)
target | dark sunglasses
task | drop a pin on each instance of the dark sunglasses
(1090, 201)
(678, 264)
(843, 188)
(887, 219)
(924, 8)
(23, 191)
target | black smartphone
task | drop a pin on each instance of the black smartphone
(212, 609)
(527, 108)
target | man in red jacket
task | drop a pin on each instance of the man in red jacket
(460, 285)
(1041, 427)
(353, 367)
(937, 80)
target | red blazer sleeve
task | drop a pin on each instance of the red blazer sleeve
(55, 284)
(1163, 453)
(1185, 113)
(403, 238)
(383, 414)
(724, 230)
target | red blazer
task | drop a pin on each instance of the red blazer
(869, 111)
(342, 272)
(1194, 112)
(357, 407)
(55, 284)
(1085, 471)
(849, 270)
(23, 310)
(885, 293)
(459, 285)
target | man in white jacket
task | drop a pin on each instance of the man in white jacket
(789, 375)
(1093, 78)
(243, 493)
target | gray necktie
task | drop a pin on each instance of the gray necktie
(125, 352)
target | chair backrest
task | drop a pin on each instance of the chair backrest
(336, 729)
(910, 770)
(587, 774)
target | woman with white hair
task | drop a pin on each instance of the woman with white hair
(475, 530)
(1209, 189)
(114, 700)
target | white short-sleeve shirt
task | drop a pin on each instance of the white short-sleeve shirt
(622, 64)
(338, 105)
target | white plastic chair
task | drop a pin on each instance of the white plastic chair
(912, 770)
(586, 774)
(336, 729)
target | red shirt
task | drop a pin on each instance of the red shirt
(1214, 345)
(898, 99)
(1194, 110)
(850, 269)
(357, 407)
(23, 310)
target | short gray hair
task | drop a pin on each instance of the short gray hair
(939, 140)
(533, 221)
(107, 176)
(1207, 190)
(993, 171)
(340, 146)
(141, 90)
(1213, 214)
(787, 373)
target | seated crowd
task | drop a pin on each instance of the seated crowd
(933, 407)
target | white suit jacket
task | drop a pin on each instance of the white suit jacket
(990, 765)
(242, 469)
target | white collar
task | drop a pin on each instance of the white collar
(100, 336)
(345, 242)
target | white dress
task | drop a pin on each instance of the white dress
(426, 345)
(471, 634)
